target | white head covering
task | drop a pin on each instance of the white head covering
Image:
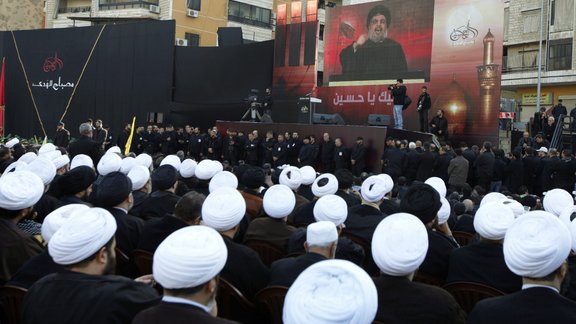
(189, 257)
(329, 188)
(437, 184)
(139, 175)
(556, 200)
(445, 210)
(82, 236)
(308, 175)
(572, 228)
(321, 233)
(187, 168)
(291, 177)
(206, 169)
(399, 244)
(20, 189)
(12, 142)
(17, 165)
(491, 197)
(566, 214)
(536, 244)
(28, 157)
(45, 148)
(109, 163)
(388, 182)
(516, 207)
(44, 168)
(279, 201)
(223, 209)
(331, 208)
(331, 292)
(114, 149)
(80, 160)
(223, 179)
(493, 219)
(373, 189)
(59, 217)
(52, 155)
(127, 164)
(61, 161)
(172, 160)
(144, 160)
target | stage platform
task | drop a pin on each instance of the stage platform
(374, 136)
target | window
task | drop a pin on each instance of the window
(560, 55)
(194, 4)
(506, 22)
(321, 32)
(552, 12)
(250, 15)
(531, 21)
(193, 39)
(562, 15)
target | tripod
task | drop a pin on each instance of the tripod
(253, 111)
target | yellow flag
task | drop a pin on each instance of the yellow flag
(35, 140)
(45, 140)
(129, 143)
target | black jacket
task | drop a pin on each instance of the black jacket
(85, 145)
(285, 271)
(158, 204)
(156, 230)
(62, 138)
(438, 255)
(176, 313)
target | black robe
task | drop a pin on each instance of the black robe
(176, 313)
(362, 221)
(345, 250)
(156, 230)
(16, 248)
(35, 269)
(128, 230)
(158, 204)
(438, 255)
(284, 272)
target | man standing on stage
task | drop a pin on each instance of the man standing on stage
(424, 104)
(399, 95)
(62, 137)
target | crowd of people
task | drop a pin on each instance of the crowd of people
(357, 245)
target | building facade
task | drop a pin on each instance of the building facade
(21, 14)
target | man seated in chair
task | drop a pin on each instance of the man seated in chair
(86, 293)
(439, 125)
(535, 247)
(325, 184)
(399, 247)
(223, 210)
(484, 262)
(187, 264)
(321, 243)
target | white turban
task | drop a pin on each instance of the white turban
(223, 179)
(445, 210)
(44, 168)
(139, 175)
(144, 160)
(331, 292)
(516, 207)
(291, 177)
(17, 165)
(321, 233)
(223, 209)
(493, 219)
(20, 189)
(80, 160)
(127, 164)
(572, 229)
(438, 184)
(279, 201)
(556, 200)
(28, 157)
(329, 188)
(189, 257)
(536, 244)
(566, 215)
(45, 148)
(114, 149)
(308, 175)
(187, 168)
(52, 155)
(491, 197)
(12, 142)
(82, 236)
(109, 163)
(59, 217)
(399, 244)
(172, 160)
(206, 169)
(388, 182)
(373, 189)
(61, 161)
(331, 208)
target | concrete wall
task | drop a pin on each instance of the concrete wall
(21, 14)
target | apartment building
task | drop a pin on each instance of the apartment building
(21, 14)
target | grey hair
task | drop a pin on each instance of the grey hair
(85, 129)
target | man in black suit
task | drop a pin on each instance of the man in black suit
(341, 155)
(85, 145)
(62, 137)
(536, 247)
(358, 157)
(189, 296)
(280, 151)
(393, 160)
(163, 200)
(327, 154)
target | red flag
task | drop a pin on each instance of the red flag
(2, 95)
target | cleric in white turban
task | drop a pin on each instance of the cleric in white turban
(109, 163)
(330, 292)
(223, 179)
(81, 160)
(187, 264)
(325, 184)
(557, 200)
(331, 208)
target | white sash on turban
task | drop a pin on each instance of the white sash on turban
(223, 209)
(373, 189)
(127, 164)
(445, 210)
(20, 189)
(172, 160)
(491, 197)
(114, 149)
(437, 184)
(81, 160)
(12, 142)
(308, 175)
(139, 175)
(389, 183)
(329, 188)
(493, 219)
(321, 233)
(331, 208)
(45, 148)
(291, 177)
(62, 161)
(556, 200)
(279, 201)
(206, 169)
(223, 179)
(109, 163)
(187, 168)
(44, 168)
(144, 160)
(53, 221)
(28, 157)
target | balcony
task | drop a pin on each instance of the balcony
(67, 10)
(127, 5)
(520, 63)
(249, 21)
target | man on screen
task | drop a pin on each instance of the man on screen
(374, 52)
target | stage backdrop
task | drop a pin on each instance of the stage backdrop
(112, 73)
(452, 46)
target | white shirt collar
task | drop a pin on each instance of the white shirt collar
(527, 286)
(178, 300)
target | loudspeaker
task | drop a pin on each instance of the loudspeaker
(329, 119)
(378, 120)
(230, 36)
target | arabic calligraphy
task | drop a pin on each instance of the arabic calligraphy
(53, 63)
(52, 85)
(463, 32)
(370, 98)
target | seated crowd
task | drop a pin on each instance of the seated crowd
(384, 247)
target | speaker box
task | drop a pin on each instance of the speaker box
(328, 119)
(378, 120)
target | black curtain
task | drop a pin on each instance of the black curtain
(130, 74)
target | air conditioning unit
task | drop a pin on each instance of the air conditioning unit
(154, 9)
(193, 13)
(181, 42)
